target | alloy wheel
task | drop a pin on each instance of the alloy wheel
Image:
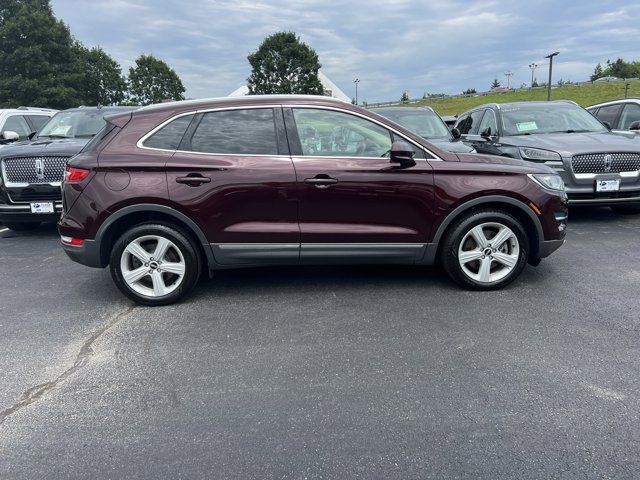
(489, 252)
(152, 266)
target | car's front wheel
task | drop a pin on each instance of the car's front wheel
(485, 250)
(154, 264)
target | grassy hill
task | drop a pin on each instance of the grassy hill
(585, 95)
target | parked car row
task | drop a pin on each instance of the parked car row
(163, 193)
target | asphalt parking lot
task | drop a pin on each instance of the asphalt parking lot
(325, 372)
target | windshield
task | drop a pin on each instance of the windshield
(74, 124)
(425, 123)
(548, 118)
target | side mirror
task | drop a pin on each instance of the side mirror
(607, 124)
(635, 125)
(10, 136)
(402, 153)
(456, 133)
(486, 133)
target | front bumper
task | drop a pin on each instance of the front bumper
(22, 213)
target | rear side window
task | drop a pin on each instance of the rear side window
(237, 132)
(97, 138)
(169, 136)
(609, 114)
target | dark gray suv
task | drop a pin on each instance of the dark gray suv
(598, 167)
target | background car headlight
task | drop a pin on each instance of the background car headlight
(539, 154)
(550, 181)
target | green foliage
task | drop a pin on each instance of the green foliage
(101, 80)
(469, 91)
(404, 97)
(495, 83)
(535, 83)
(37, 61)
(153, 81)
(618, 68)
(584, 95)
(284, 64)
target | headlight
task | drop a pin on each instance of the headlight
(550, 181)
(538, 154)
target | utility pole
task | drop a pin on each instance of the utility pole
(533, 67)
(509, 74)
(356, 81)
(626, 89)
(550, 57)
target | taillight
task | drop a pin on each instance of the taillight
(74, 242)
(75, 175)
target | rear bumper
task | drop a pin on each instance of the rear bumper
(547, 247)
(86, 254)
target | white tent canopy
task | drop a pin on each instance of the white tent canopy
(330, 89)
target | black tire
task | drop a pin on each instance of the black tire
(22, 226)
(626, 209)
(187, 249)
(456, 234)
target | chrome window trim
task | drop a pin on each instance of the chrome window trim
(140, 142)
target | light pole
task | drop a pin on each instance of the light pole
(356, 81)
(533, 67)
(550, 57)
(508, 74)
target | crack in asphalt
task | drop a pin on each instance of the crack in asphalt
(86, 351)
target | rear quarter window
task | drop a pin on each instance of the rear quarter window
(169, 136)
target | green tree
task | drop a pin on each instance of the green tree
(101, 81)
(597, 72)
(469, 91)
(38, 66)
(495, 83)
(284, 64)
(151, 81)
(404, 97)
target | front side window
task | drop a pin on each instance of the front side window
(609, 114)
(17, 123)
(236, 132)
(630, 114)
(489, 121)
(169, 136)
(468, 125)
(329, 133)
(547, 118)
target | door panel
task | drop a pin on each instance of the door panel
(246, 204)
(354, 204)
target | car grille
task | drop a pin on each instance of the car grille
(33, 170)
(27, 195)
(599, 163)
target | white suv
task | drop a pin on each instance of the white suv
(19, 123)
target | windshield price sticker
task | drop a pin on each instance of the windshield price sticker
(526, 126)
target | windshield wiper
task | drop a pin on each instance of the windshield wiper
(53, 136)
(571, 131)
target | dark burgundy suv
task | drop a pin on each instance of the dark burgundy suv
(170, 190)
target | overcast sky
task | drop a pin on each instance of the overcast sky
(394, 45)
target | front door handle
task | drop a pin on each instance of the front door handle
(193, 180)
(321, 182)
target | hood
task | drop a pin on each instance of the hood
(568, 144)
(450, 145)
(523, 165)
(46, 146)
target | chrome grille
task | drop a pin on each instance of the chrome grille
(21, 170)
(597, 162)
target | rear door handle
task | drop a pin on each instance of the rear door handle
(321, 182)
(193, 180)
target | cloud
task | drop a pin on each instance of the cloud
(392, 46)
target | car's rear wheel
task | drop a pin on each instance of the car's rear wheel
(22, 226)
(485, 250)
(626, 209)
(154, 264)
